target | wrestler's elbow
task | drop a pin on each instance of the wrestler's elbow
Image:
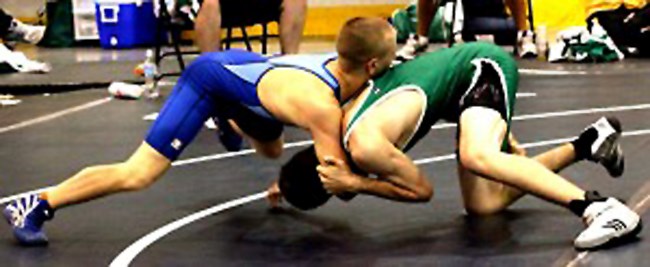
(366, 150)
(424, 192)
(421, 190)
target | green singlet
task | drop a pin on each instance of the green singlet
(442, 77)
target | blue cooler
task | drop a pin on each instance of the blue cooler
(125, 23)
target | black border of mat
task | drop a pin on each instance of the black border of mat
(27, 89)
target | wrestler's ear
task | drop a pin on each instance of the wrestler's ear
(372, 66)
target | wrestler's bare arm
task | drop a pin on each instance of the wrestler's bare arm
(302, 99)
(398, 178)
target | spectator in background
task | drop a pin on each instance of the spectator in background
(291, 13)
(427, 9)
(627, 22)
(525, 37)
(12, 29)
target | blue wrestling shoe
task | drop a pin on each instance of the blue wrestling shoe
(230, 139)
(26, 216)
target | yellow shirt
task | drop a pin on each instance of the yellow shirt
(594, 6)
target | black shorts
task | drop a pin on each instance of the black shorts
(624, 33)
(249, 12)
(5, 23)
(487, 90)
(259, 128)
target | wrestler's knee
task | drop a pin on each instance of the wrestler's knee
(475, 158)
(484, 207)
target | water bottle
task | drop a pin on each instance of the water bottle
(150, 72)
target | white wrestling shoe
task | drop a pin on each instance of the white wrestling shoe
(606, 149)
(414, 45)
(25, 33)
(607, 221)
(525, 45)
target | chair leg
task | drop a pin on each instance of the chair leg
(160, 23)
(246, 40)
(265, 36)
(176, 38)
(228, 37)
(453, 23)
(164, 24)
(530, 15)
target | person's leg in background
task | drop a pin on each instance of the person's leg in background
(518, 8)
(292, 23)
(13, 30)
(208, 26)
(417, 43)
(5, 23)
(525, 43)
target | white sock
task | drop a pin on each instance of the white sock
(15, 25)
(422, 40)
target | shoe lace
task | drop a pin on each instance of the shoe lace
(590, 218)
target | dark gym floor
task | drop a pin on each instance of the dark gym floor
(38, 151)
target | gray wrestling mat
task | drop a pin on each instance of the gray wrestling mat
(137, 228)
(78, 68)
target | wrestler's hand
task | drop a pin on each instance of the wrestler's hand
(336, 178)
(273, 195)
(515, 147)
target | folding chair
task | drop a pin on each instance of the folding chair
(174, 26)
(492, 20)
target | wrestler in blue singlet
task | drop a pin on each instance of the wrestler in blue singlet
(223, 85)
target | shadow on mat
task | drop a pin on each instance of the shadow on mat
(283, 234)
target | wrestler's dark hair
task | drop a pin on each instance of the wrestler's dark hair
(299, 181)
